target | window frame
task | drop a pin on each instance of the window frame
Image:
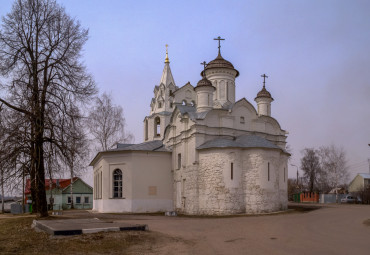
(117, 183)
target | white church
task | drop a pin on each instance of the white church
(204, 153)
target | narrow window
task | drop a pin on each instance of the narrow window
(171, 104)
(242, 120)
(208, 101)
(86, 200)
(146, 129)
(69, 200)
(159, 105)
(232, 171)
(157, 126)
(94, 186)
(101, 185)
(268, 171)
(117, 183)
(284, 174)
(78, 200)
(179, 161)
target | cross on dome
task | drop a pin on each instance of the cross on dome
(219, 39)
(264, 79)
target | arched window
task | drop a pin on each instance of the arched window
(184, 102)
(157, 123)
(117, 183)
(192, 103)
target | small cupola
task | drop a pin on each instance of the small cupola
(222, 74)
(204, 90)
(264, 99)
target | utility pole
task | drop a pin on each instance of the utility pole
(369, 161)
(297, 174)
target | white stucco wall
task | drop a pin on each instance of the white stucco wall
(147, 182)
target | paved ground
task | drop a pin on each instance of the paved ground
(333, 229)
(84, 226)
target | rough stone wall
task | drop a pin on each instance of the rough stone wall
(218, 194)
(250, 190)
(263, 195)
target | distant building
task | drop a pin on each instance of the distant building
(60, 192)
(359, 183)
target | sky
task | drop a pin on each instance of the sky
(316, 54)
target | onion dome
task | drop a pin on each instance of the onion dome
(264, 93)
(204, 82)
(220, 62)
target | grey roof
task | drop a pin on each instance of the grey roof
(243, 141)
(147, 146)
(365, 176)
(192, 111)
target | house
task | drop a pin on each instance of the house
(59, 192)
(204, 152)
(359, 183)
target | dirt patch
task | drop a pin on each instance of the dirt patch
(367, 222)
(303, 208)
(17, 237)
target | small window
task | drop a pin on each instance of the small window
(157, 126)
(184, 102)
(78, 200)
(192, 103)
(242, 120)
(232, 171)
(179, 161)
(159, 104)
(171, 104)
(69, 200)
(268, 171)
(117, 183)
(86, 201)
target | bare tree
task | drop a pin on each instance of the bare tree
(334, 167)
(40, 50)
(107, 123)
(310, 164)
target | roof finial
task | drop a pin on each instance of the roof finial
(219, 39)
(264, 79)
(167, 60)
(204, 63)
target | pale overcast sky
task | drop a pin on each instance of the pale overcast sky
(315, 52)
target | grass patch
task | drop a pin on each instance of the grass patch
(17, 237)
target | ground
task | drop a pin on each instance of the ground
(332, 229)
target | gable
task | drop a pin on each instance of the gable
(79, 186)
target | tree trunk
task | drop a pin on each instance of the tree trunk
(40, 179)
(2, 190)
(72, 206)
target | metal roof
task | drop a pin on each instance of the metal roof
(156, 145)
(365, 176)
(243, 141)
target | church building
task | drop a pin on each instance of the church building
(204, 152)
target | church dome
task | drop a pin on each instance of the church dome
(264, 93)
(204, 82)
(220, 62)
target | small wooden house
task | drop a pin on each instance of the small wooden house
(58, 194)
